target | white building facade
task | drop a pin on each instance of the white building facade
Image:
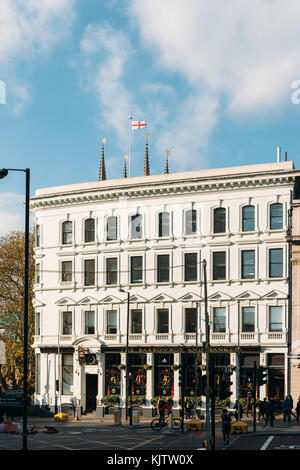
(149, 236)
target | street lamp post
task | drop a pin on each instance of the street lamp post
(127, 364)
(3, 174)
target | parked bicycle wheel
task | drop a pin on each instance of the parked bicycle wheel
(156, 425)
(176, 423)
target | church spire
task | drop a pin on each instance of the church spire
(167, 163)
(102, 172)
(146, 159)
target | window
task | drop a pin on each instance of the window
(190, 320)
(248, 218)
(248, 264)
(163, 274)
(66, 271)
(37, 235)
(89, 322)
(112, 322)
(37, 323)
(67, 323)
(67, 233)
(136, 226)
(163, 224)
(111, 228)
(219, 220)
(190, 267)
(136, 321)
(219, 324)
(136, 269)
(38, 273)
(190, 222)
(219, 265)
(275, 319)
(89, 230)
(89, 272)
(111, 271)
(162, 320)
(276, 262)
(67, 374)
(248, 319)
(38, 373)
(276, 216)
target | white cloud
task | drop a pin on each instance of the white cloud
(12, 212)
(29, 30)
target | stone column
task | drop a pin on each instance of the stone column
(123, 384)
(263, 389)
(77, 388)
(149, 383)
(176, 385)
(101, 386)
(233, 379)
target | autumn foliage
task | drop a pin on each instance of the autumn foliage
(12, 309)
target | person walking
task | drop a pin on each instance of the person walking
(236, 413)
(270, 412)
(287, 408)
(298, 409)
(261, 410)
(225, 424)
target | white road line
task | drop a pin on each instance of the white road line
(267, 443)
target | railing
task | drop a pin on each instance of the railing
(162, 337)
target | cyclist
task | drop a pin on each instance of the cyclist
(163, 405)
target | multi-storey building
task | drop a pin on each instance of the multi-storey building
(149, 236)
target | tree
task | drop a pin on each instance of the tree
(12, 247)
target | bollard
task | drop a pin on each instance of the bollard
(170, 422)
(136, 417)
(117, 418)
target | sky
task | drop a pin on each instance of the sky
(218, 84)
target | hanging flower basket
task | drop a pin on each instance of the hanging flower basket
(203, 367)
(121, 366)
(175, 367)
(110, 399)
(147, 367)
(232, 367)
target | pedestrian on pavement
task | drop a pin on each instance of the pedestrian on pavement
(298, 409)
(292, 405)
(261, 410)
(236, 408)
(287, 408)
(226, 423)
(248, 403)
(270, 412)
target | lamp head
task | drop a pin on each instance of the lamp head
(3, 173)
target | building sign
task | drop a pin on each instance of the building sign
(169, 349)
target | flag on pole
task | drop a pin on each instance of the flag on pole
(138, 125)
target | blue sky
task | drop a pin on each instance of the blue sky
(213, 80)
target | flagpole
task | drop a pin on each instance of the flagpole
(130, 143)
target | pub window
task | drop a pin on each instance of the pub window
(276, 262)
(89, 230)
(111, 271)
(137, 374)
(190, 320)
(112, 228)
(190, 222)
(248, 319)
(276, 216)
(275, 318)
(248, 264)
(89, 272)
(219, 220)
(66, 271)
(111, 322)
(163, 224)
(89, 322)
(219, 323)
(112, 374)
(136, 269)
(163, 375)
(66, 323)
(162, 320)
(67, 233)
(136, 321)
(136, 226)
(190, 267)
(219, 265)
(67, 374)
(163, 269)
(248, 218)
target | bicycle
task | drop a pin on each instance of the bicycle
(157, 424)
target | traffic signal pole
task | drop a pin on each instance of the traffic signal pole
(207, 351)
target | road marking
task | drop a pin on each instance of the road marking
(267, 443)
(144, 442)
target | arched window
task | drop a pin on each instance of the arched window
(220, 220)
(89, 230)
(276, 216)
(112, 228)
(190, 222)
(67, 233)
(163, 224)
(248, 218)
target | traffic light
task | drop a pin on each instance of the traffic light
(225, 384)
(261, 376)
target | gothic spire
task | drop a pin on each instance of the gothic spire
(146, 159)
(102, 172)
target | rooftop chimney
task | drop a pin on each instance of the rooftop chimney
(278, 154)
